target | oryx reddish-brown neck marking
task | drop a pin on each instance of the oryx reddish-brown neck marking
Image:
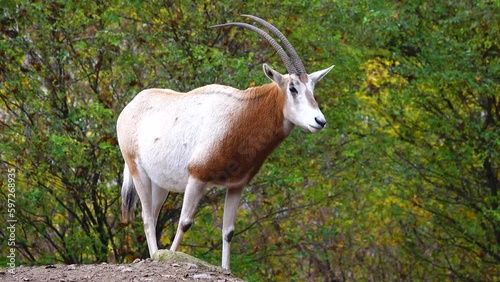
(251, 136)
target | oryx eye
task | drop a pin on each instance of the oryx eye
(293, 90)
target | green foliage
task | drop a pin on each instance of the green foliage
(402, 185)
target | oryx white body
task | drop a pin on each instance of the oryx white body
(213, 135)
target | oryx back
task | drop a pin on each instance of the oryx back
(161, 131)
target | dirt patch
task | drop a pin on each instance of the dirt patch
(139, 270)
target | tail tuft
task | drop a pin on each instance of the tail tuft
(129, 197)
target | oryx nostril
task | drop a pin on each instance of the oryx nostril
(321, 121)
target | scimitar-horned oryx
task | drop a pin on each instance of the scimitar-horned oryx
(212, 135)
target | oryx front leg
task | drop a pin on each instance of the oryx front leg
(231, 204)
(195, 190)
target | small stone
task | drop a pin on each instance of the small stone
(127, 269)
(202, 276)
(136, 260)
(175, 265)
(179, 257)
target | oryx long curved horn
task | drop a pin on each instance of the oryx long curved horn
(297, 62)
(290, 67)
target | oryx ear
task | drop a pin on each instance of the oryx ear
(273, 75)
(318, 75)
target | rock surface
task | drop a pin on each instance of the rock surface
(166, 266)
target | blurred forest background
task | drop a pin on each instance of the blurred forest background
(403, 184)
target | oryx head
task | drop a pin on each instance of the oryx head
(301, 108)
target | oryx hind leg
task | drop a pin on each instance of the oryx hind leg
(195, 190)
(144, 190)
(159, 197)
